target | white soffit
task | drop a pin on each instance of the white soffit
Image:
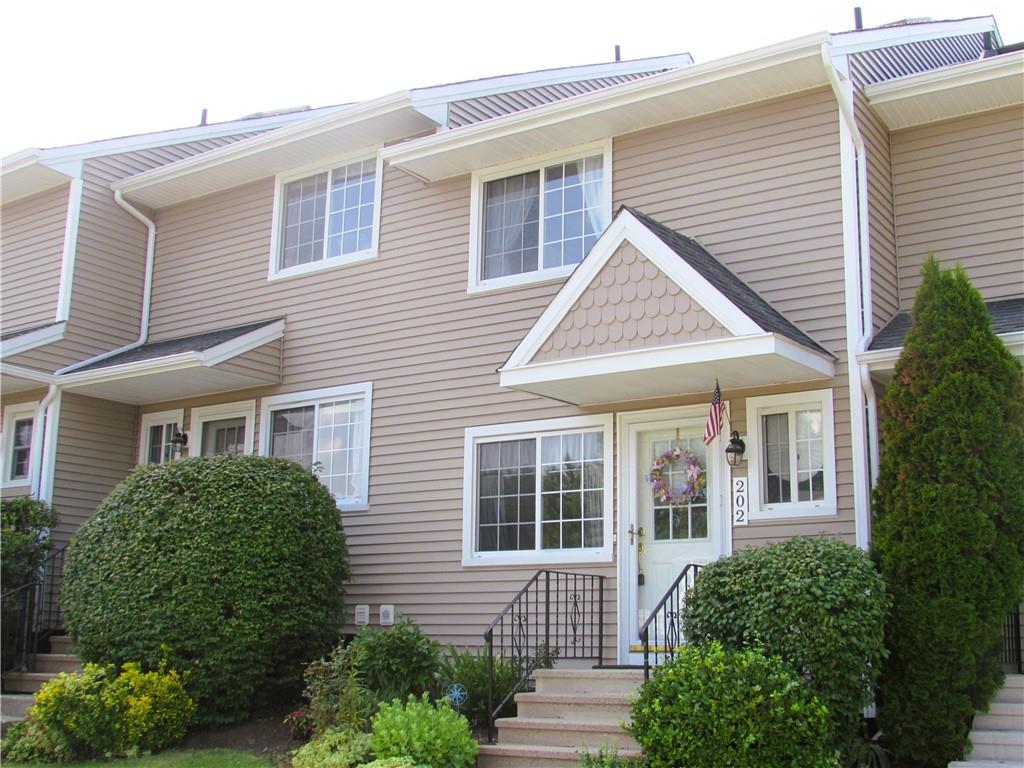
(964, 89)
(25, 174)
(678, 94)
(347, 130)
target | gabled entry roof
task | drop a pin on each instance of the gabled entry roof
(650, 313)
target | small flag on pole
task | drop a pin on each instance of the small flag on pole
(714, 425)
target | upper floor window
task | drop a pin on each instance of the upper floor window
(326, 430)
(792, 467)
(536, 222)
(18, 443)
(326, 219)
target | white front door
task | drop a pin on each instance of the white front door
(658, 539)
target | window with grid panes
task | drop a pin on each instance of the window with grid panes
(21, 449)
(681, 521)
(542, 219)
(328, 215)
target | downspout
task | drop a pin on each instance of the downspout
(44, 467)
(863, 414)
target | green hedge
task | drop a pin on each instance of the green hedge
(949, 518)
(717, 708)
(228, 567)
(816, 602)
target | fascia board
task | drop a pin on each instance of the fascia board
(948, 78)
(598, 101)
(26, 373)
(245, 343)
(29, 341)
(441, 94)
(177, 362)
(885, 359)
(886, 37)
(264, 142)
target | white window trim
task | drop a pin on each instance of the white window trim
(520, 430)
(760, 406)
(312, 397)
(476, 217)
(156, 418)
(19, 412)
(280, 180)
(200, 416)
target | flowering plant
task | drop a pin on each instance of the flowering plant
(694, 479)
(300, 723)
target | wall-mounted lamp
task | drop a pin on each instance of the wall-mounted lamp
(735, 450)
(179, 440)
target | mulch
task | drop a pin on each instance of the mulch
(264, 735)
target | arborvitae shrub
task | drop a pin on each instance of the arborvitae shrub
(948, 518)
(228, 567)
(818, 603)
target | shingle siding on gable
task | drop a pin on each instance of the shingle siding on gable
(32, 243)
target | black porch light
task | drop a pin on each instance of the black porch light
(735, 450)
(179, 439)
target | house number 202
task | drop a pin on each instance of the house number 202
(739, 501)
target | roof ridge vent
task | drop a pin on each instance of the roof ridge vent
(909, 20)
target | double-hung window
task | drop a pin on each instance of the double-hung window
(537, 222)
(157, 436)
(327, 218)
(19, 441)
(792, 464)
(327, 431)
(538, 492)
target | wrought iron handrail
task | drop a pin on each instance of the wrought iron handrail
(38, 614)
(556, 615)
(665, 619)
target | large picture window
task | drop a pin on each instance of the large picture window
(538, 221)
(327, 218)
(326, 431)
(538, 492)
(792, 466)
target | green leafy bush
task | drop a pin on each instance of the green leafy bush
(102, 712)
(469, 669)
(393, 762)
(432, 734)
(397, 661)
(717, 708)
(334, 748)
(609, 758)
(948, 523)
(234, 563)
(336, 692)
(816, 602)
(29, 741)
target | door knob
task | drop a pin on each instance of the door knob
(635, 533)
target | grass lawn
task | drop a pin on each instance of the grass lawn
(175, 758)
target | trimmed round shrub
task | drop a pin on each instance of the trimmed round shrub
(818, 603)
(948, 519)
(717, 708)
(430, 734)
(228, 567)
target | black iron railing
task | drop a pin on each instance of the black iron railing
(557, 615)
(1011, 653)
(32, 614)
(662, 633)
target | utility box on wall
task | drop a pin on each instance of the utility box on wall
(387, 615)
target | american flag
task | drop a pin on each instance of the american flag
(714, 425)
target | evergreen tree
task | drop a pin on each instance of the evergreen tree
(948, 519)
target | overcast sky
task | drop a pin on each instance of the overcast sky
(80, 70)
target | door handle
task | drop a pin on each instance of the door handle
(638, 533)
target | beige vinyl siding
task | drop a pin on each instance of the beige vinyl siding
(27, 396)
(760, 188)
(32, 247)
(95, 451)
(881, 217)
(959, 193)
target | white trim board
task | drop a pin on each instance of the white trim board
(20, 412)
(885, 37)
(28, 341)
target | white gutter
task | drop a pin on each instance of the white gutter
(147, 289)
(857, 277)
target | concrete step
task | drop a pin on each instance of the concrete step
(588, 680)
(551, 732)
(1012, 690)
(14, 707)
(55, 662)
(1001, 716)
(997, 745)
(525, 756)
(985, 764)
(26, 682)
(61, 644)
(601, 707)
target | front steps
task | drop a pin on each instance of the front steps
(47, 666)
(571, 711)
(998, 735)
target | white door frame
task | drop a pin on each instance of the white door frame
(629, 425)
